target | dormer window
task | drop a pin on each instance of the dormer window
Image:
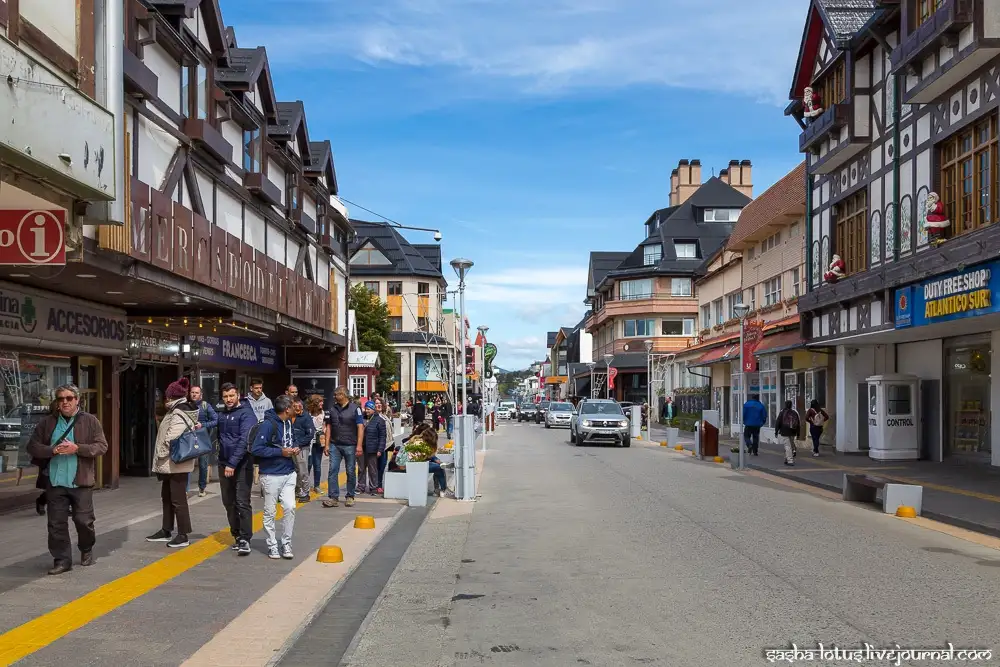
(251, 151)
(292, 187)
(201, 93)
(652, 254)
(194, 100)
(686, 250)
(722, 214)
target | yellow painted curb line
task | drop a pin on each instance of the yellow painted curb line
(906, 512)
(719, 459)
(364, 522)
(330, 554)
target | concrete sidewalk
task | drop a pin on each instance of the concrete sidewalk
(963, 495)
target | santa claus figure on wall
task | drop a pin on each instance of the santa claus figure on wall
(811, 106)
(937, 221)
(837, 270)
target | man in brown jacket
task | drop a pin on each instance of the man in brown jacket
(70, 440)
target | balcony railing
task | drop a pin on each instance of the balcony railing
(832, 119)
(940, 29)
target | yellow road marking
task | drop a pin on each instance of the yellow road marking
(7, 480)
(44, 630)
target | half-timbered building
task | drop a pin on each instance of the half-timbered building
(897, 101)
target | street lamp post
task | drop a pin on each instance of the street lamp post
(465, 469)
(590, 365)
(608, 358)
(649, 387)
(486, 413)
(741, 310)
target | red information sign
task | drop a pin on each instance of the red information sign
(32, 237)
(612, 374)
(753, 332)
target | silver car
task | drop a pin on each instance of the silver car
(597, 419)
(559, 415)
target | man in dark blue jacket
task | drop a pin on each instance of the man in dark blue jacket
(373, 448)
(754, 417)
(274, 450)
(236, 420)
(303, 434)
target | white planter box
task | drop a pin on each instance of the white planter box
(416, 483)
(394, 486)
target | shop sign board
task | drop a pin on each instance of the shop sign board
(29, 313)
(954, 296)
(31, 238)
(243, 352)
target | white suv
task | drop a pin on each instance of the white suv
(597, 419)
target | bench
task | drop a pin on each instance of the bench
(865, 488)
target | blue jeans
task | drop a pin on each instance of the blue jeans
(350, 457)
(202, 473)
(316, 463)
(450, 425)
(440, 479)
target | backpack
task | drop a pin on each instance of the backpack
(818, 419)
(250, 439)
(790, 421)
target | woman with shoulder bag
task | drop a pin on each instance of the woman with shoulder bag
(817, 418)
(181, 415)
(314, 406)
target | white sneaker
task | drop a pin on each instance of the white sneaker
(815, 455)
(273, 553)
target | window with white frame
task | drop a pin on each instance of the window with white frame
(750, 252)
(717, 311)
(706, 316)
(750, 298)
(793, 231)
(796, 282)
(722, 214)
(733, 300)
(680, 287)
(681, 326)
(635, 328)
(359, 385)
(652, 254)
(772, 291)
(771, 242)
(686, 250)
(629, 290)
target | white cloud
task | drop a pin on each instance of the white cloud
(746, 47)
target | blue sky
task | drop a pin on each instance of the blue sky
(531, 132)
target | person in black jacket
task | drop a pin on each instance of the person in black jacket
(236, 420)
(419, 412)
(374, 449)
(787, 427)
(303, 433)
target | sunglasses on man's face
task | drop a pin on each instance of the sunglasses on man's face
(65, 399)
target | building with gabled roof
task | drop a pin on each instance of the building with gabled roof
(408, 278)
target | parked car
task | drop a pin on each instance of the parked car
(526, 412)
(503, 412)
(559, 415)
(543, 407)
(510, 408)
(597, 419)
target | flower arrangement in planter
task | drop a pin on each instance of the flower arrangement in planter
(791, 301)
(704, 332)
(734, 450)
(718, 327)
(731, 321)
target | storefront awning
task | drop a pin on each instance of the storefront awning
(780, 342)
(719, 355)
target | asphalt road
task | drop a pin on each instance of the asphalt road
(638, 556)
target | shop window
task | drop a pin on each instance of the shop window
(852, 239)
(29, 383)
(769, 386)
(359, 385)
(898, 399)
(968, 179)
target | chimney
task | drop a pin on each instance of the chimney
(741, 176)
(724, 176)
(690, 179)
(674, 181)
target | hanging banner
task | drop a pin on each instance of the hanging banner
(753, 333)
(612, 374)
(489, 354)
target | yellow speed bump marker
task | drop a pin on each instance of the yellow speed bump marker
(679, 448)
(330, 554)
(906, 512)
(365, 522)
(718, 459)
(663, 444)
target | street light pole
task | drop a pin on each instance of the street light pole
(590, 365)
(741, 310)
(465, 469)
(608, 358)
(649, 388)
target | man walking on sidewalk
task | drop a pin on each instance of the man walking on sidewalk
(347, 426)
(236, 421)
(259, 403)
(207, 420)
(275, 452)
(787, 428)
(754, 417)
(304, 433)
(70, 440)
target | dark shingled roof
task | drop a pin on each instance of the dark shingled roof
(600, 264)
(846, 17)
(431, 252)
(416, 338)
(320, 160)
(290, 114)
(550, 338)
(406, 260)
(685, 223)
(244, 66)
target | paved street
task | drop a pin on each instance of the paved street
(607, 556)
